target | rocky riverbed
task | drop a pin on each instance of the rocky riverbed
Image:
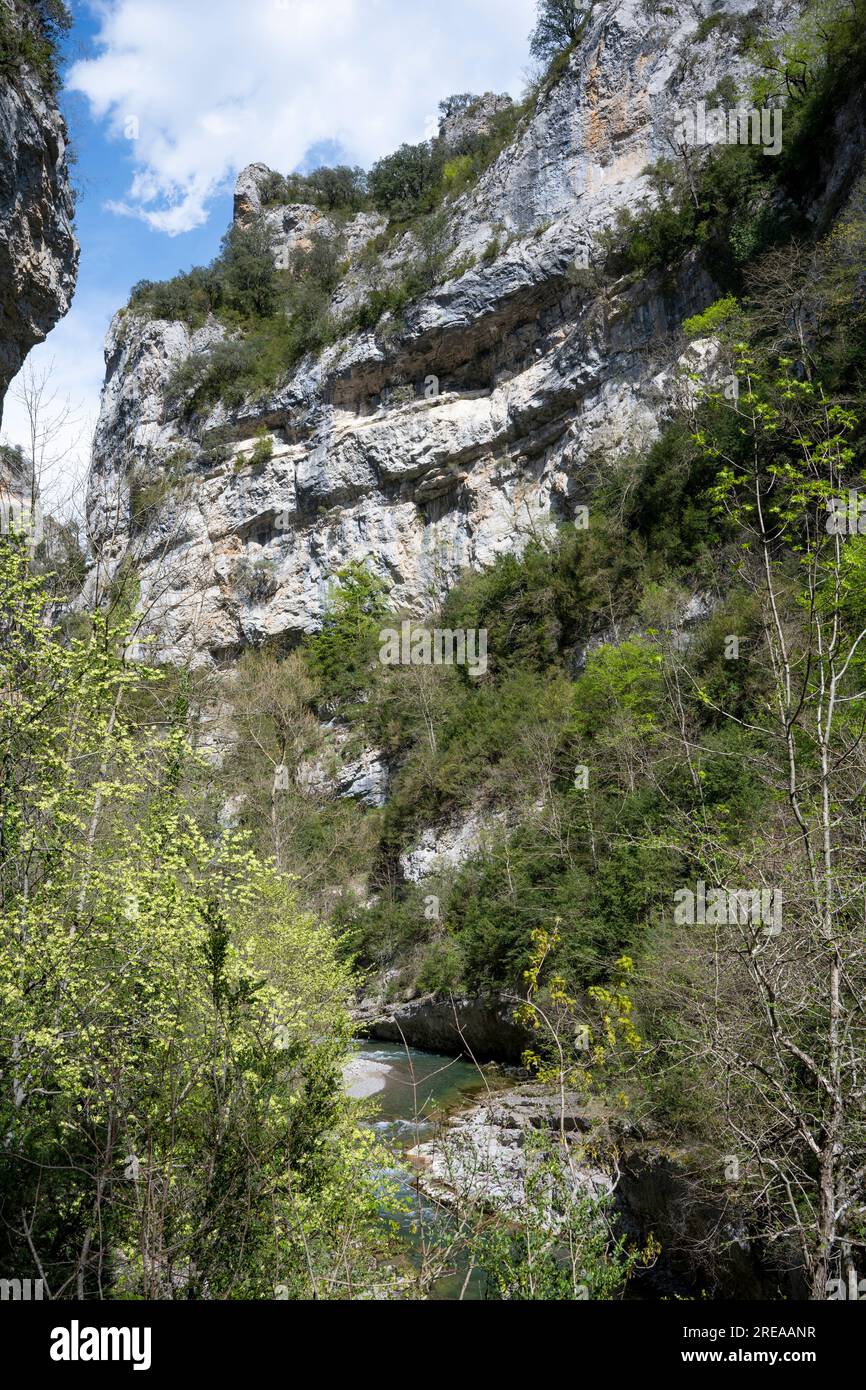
(483, 1153)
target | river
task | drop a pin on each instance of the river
(413, 1092)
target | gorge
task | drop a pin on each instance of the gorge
(561, 396)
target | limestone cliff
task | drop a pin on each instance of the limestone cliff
(38, 250)
(475, 418)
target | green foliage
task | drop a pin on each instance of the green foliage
(620, 689)
(402, 182)
(35, 44)
(723, 209)
(340, 188)
(416, 179)
(340, 655)
(559, 24)
(273, 317)
(743, 28)
(708, 323)
(734, 203)
(563, 1245)
(255, 577)
(241, 283)
(151, 484)
(263, 449)
(172, 1024)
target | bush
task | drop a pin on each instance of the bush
(186, 298)
(402, 183)
(280, 316)
(222, 372)
(241, 283)
(263, 449)
(441, 969)
(341, 653)
(335, 189)
(558, 25)
(249, 286)
(150, 484)
(35, 45)
(255, 578)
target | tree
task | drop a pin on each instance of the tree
(248, 271)
(339, 187)
(774, 1000)
(558, 23)
(171, 1110)
(457, 105)
(399, 182)
(340, 655)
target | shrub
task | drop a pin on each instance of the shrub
(151, 484)
(558, 25)
(224, 372)
(708, 323)
(186, 298)
(255, 578)
(441, 969)
(216, 448)
(245, 267)
(263, 449)
(35, 44)
(401, 183)
(241, 282)
(340, 654)
(340, 188)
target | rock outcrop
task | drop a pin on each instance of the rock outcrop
(38, 250)
(485, 1152)
(474, 419)
(481, 1027)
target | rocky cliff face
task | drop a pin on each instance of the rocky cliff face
(38, 250)
(454, 432)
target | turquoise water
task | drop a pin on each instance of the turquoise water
(418, 1089)
(416, 1092)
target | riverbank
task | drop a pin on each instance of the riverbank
(463, 1135)
(481, 1155)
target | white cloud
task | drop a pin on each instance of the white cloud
(210, 87)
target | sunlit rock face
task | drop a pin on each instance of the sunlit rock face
(38, 250)
(480, 416)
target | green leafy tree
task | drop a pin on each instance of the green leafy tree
(341, 654)
(558, 23)
(172, 1025)
(400, 182)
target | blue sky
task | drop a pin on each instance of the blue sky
(167, 99)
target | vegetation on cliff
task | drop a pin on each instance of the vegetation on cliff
(31, 39)
(621, 754)
(663, 758)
